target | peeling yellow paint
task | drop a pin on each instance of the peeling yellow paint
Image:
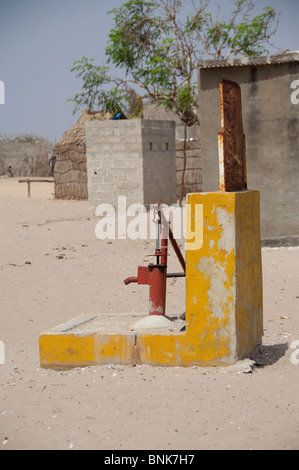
(215, 279)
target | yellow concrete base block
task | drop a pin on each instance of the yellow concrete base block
(224, 294)
(109, 338)
(224, 300)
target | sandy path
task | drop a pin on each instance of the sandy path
(116, 407)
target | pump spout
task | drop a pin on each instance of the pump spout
(129, 280)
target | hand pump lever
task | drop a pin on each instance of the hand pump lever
(155, 275)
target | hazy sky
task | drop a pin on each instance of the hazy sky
(40, 40)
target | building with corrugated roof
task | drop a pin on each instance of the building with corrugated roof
(270, 101)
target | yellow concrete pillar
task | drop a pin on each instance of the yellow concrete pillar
(224, 298)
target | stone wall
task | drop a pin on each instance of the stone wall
(133, 158)
(25, 158)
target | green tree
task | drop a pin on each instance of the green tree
(159, 49)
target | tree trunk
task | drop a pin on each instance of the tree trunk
(184, 166)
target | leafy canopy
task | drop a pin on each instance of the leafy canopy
(158, 50)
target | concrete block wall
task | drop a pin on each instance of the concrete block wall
(133, 158)
(25, 158)
(152, 111)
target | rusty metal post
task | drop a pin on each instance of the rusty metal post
(157, 295)
(157, 292)
(231, 139)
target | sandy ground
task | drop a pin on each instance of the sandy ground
(117, 407)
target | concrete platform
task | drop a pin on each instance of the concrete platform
(91, 339)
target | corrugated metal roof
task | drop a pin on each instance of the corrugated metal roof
(280, 58)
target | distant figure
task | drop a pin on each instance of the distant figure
(52, 161)
(10, 171)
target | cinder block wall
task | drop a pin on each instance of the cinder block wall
(152, 111)
(133, 158)
(25, 158)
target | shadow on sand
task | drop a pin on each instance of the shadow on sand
(265, 355)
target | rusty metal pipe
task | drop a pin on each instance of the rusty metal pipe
(176, 275)
(129, 280)
(157, 294)
(167, 232)
(177, 251)
(155, 276)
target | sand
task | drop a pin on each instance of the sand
(52, 269)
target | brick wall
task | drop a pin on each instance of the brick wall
(133, 158)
